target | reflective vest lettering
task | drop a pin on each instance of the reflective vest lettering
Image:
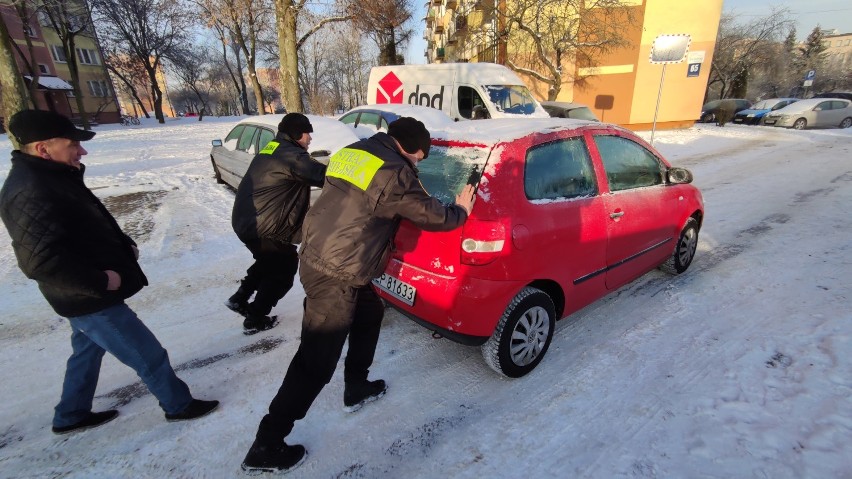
(355, 166)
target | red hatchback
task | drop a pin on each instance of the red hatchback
(566, 212)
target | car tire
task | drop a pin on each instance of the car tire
(216, 174)
(846, 123)
(707, 118)
(800, 124)
(522, 335)
(684, 252)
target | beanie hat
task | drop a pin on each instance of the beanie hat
(30, 126)
(295, 125)
(411, 134)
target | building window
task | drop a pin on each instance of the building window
(87, 56)
(29, 30)
(42, 68)
(58, 54)
(98, 88)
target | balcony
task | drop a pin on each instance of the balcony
(437, 3)
(439, 53)
(452, 4)
(439, 26)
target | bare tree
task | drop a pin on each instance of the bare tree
(385, 23)
(744, 47)
(27, 11)
(70, 18)
(287, 14)
(132, 75)
(245, 20)
(149, 30)
(190, 66)
(11, 83)
(550, 36)
(219, 26)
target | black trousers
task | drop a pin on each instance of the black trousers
(271, 275)
(333, 311)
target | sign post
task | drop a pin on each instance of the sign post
(668, 49)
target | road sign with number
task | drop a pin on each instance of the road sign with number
(693, 70)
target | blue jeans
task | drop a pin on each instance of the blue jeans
(120, 332)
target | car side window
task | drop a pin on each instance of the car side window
(839, 105)
(349, 118)
(233, 137)
(560, 169)
(468, 99)
(245, 143)
(369, 119)
(383, 125)
(265, 137)
(826, 105)
(628, 164)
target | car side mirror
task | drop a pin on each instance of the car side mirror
(679, 176)
(217, 142)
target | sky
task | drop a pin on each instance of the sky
(830, 14)
(739, 368)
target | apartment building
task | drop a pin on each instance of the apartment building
(621, 87)
(47, 57)
(838, 50)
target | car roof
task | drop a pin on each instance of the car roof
(568, 105)
(431, 117)
(329, 134)
(493, 131)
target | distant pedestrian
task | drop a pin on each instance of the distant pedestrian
(271, 203)
(371, 186)
(85, 266)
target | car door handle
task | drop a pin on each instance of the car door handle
(617, 214)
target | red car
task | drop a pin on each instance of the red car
(567, 211)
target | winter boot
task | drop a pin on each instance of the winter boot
(94, 419)
(356, 394)
(257, 323)
(196, 409)
(279, 459)
(238, 302)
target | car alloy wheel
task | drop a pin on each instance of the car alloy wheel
(684, 251)
(800, 124)
(846, 123)
(523, 334)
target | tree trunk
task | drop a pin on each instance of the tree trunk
(288, 55)
(74, 71)
(11, 83)
(258, 91)
(156, 94)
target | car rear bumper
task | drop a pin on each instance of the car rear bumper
(459, 307)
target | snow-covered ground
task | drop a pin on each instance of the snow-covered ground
(740, 368)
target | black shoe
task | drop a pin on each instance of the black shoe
(355, 395)
(280, 459)
(94, 419)
(196, 409)
(237, 307)
(255, 324)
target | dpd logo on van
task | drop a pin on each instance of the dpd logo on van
(390, 89)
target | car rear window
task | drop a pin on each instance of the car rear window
(448, 169)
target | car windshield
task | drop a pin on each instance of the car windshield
(711, 104)
(448, 169)
(511, 98)
(582, 113)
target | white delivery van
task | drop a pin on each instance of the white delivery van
(463, 91)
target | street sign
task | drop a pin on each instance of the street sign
(808, 83)
(810, 75)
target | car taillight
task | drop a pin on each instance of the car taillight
(482, 241)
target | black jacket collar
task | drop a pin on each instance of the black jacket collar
(46, 166)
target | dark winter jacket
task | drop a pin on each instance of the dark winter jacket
(64, 237)
(369, 188)
(274, 195)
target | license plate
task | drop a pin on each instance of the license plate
(769, 122)
(396, 288)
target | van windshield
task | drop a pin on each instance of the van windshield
(448, 169)
(511, 99)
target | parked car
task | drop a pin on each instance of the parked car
(711, 110)
(567, 211)
(813, 113)
(370, 119)
(846, 95)
(755, 114)
(564, 109)
(231, 157)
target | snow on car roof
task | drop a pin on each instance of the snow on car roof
(329, 134)
(496, 130)
(431, 117)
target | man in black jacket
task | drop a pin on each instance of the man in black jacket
(85, 266)
(271, 203)
(370, 186)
